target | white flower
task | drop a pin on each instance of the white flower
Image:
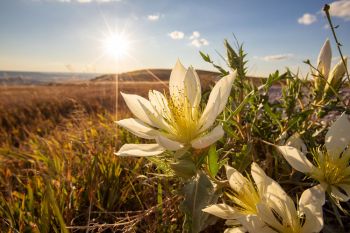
(245, 197)
(333, 77)
(279, 214)
(264, 207)
(324, 59)
(331, 168)
(176, 122)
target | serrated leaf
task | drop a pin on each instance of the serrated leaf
(205, 57)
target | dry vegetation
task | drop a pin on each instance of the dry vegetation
(58, 171)
(38, 109)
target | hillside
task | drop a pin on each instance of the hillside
(154, 75)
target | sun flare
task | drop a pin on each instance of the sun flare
(116, 45)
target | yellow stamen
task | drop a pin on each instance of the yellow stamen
(184, 119)
(330, 169)
(245, 199)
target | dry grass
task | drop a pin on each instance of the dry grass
(39, 109)
(58, 171)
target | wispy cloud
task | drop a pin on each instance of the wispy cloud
(275, 57)
(340, 9)
(199, 42)
(176, 35)
(307, 19)
(154, 17)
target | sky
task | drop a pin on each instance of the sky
(73, 35)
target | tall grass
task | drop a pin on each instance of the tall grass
(58, 171)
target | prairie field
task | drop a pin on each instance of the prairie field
(58, 170)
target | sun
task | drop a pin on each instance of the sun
(116, 45)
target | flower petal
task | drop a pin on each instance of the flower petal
(235, 230)
(269, 217)
(313, 221)
(253, 223)
(295, 141)
(217, 99)
(168, 143)
(138, 128)
(346, 188)
(313, 196)
(176, 81)
(141, 108)
(337, 194)
(310, 203)
(264, 183)
(236, 180)
(140, 150)
(232, 222)
(208, 119)
(192, 88)
(222, 211)
(159, 102)
(209, 138)
(324, 59)
(338, 136)
(296, 159)
(336, 75)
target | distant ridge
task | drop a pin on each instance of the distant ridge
(13, 78)
(41, 78)
(153, 75)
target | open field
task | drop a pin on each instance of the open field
(58, 168)
(38, 109)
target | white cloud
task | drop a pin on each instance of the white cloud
(153, 17)
(307, 19)
(277, 57)
(340, 9)
(195, 34)
(176, 35)
(199, 42)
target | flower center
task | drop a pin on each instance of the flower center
(329, 169)
(245, 199)
(184, 118)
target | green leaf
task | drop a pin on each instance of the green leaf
(205, 57)
(272, 115)
(184, 168)
(213, 160)
(199, 193)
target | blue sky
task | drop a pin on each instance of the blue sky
(68, 35)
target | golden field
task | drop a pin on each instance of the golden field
(58, 171)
